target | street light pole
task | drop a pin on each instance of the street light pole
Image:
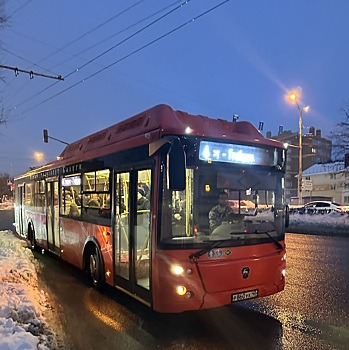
(294, 97)
(300, 163)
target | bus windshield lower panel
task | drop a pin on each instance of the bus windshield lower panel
(236, 205)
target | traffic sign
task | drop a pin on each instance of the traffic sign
(307, 185)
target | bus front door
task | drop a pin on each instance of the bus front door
(21, 216)
(132, 234)
(52, 217)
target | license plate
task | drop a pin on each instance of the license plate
(244, 295)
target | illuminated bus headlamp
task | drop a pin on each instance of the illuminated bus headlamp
(177, 270)
(181, 290)
(283, 272)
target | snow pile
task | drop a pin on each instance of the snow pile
(22, 304)
(6, 205)
(321, 224)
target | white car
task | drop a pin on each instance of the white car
(320, 207)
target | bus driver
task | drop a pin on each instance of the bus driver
(220, 212)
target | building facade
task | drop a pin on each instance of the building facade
(315, 149)
(328, 181)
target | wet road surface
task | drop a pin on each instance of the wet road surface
(311, 313)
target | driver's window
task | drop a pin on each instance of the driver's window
(181, 207)
(177, 210)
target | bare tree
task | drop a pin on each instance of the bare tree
(340, 137)
(4, 187)
(3, 17)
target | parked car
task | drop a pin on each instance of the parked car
(245, 205)
(320, 207)
(344, 209)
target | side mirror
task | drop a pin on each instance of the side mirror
(176, 161)
(287, 216)
(176, 164)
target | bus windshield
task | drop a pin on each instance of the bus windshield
(238, 205)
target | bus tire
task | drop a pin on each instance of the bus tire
(31, 237)
(94, 267)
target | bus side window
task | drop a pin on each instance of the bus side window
(71, 196)
(96, 197)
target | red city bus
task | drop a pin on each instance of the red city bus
(130, 205)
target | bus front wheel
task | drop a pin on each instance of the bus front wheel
(94, 267)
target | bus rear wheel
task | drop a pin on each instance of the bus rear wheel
(94, 268)
(31, 238)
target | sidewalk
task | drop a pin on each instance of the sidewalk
(25, 309)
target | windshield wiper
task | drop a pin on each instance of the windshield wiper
(278, 245)
(205, 250)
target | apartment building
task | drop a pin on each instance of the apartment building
(316, 149)
(329, 181)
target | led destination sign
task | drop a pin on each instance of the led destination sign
(231, 153)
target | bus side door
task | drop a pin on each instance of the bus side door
(52, 216)
(21, 215)
(132, 228)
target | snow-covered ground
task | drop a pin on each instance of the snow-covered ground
(8, 205)
(326, 224)
(22, 304)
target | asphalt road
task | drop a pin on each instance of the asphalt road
(7, 218)
(311, 313)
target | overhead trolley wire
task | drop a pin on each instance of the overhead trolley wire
(119, 32)
(25, 60)
(19, 8)
(131, 36)
(130, 54)
(74, 41)
(93, 29)
(113, 47)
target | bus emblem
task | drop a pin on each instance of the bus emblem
(219, 253)
(245, 272)
(210, 253)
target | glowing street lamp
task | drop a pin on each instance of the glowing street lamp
(38, 156)
(294, 97)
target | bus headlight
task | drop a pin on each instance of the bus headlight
(181, 290)
(283, 272)
(177, 270)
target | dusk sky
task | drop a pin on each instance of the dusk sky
(121, 57)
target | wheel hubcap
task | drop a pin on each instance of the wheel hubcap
(93, 265)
